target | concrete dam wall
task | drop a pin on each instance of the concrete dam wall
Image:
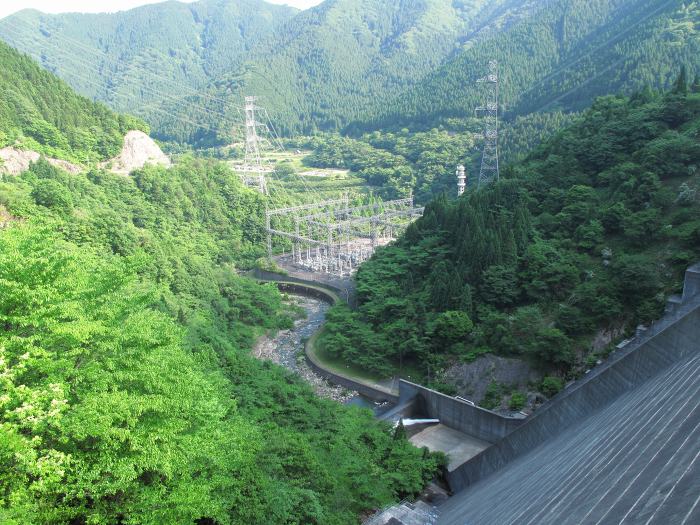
(619, 445)
(669, 340)
(459, 415)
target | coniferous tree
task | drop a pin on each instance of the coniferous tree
(681, 84)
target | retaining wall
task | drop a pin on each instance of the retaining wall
(372, 392)
(331, 294)
(473, 420)
(264, 275)
(668, 340)
(304, 289)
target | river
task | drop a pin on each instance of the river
(287, 349)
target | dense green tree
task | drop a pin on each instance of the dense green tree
(555, 56)
(360, 65)
(140, 59)
(586, 233)
(128, 394)
(40, 112)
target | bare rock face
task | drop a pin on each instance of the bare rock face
(139, 149)
(5, 217)
(14, 161)
(472, 379)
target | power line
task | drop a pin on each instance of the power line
(103, 54)
(65, 53)
(604, 45)
(71, 58)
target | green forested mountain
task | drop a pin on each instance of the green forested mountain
(128, 394)
(133, 60)
(358, 65)
(40, 112)
(317, 70)
(589, 233)
(327, 64)
(562, 56)
(403, 162)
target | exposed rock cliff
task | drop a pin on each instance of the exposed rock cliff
(139, 149)
(14, 161)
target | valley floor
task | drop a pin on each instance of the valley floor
(286, 348)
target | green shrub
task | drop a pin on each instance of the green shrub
(551, 385)
(517, 401)
(52, 194)
(493, 396)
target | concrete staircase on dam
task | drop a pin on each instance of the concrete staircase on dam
(406, 513)
(621, 445)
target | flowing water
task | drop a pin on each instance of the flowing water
(287, 348)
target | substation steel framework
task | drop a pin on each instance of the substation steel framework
(334, 237)
(328, 236)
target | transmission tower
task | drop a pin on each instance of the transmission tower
(253, 171)
(489, 113)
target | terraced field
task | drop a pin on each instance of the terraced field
(309, 183)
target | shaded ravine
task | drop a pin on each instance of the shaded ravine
(286, 349)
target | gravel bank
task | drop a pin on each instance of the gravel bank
(287, 348)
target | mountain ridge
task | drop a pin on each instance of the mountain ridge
(356, 66)
(568, 71)
(41, 112)
(134, 56)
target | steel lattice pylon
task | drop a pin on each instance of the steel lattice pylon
(253, 171)
(489, 112)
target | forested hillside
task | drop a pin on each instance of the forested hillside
(40, 112)
(134, 60)
(128, 391)
(560, 57)
(326, 65)
(317, 70)
(358, 65)
(422, 163)
(585, 237)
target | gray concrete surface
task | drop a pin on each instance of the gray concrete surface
(635, 461)
(458, 446)
(472, 420)
(405, 513)
(620, 445)
(667, 342)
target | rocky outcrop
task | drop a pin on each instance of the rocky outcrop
(472, 379)
(139, 149)
(5, 217)
(14, 161)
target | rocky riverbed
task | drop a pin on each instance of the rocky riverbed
(287, 348)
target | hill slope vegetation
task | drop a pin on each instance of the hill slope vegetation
(358, 65)
(134, 59)
(560, 57)
(316, 70)
(40, 112)
(586, 236)
(128, 391)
